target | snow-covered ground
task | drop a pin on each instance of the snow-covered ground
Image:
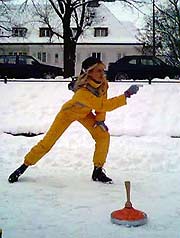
(57, 199)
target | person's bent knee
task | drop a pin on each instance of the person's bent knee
(103, 135)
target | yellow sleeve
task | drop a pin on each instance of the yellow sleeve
(99, 104)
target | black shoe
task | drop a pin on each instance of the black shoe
(99, 175)
(15, 175)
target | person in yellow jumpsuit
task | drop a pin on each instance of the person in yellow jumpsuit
(88, 106)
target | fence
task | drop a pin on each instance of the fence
(5, 80)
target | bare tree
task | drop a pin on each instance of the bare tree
(5, 15)
(167, 28)
(67, 20)
(73, 17)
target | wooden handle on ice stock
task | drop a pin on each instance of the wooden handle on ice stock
(128, 203)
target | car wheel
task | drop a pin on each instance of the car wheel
(121, 76)
(177, 76)
(48, 75)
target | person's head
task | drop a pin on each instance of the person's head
(94, 68)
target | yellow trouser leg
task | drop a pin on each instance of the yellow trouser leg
(57, 128)
(102, 139)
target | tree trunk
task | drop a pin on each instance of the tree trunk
(69, 57)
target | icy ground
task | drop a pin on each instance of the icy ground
(57, 199)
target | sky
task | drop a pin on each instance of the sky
(57, 198)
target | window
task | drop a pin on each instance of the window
(132, 61)
(39, 56)
(17, 53)
(26, 60)
(10, 60)
(96, 55)
(100, 31)
(22, 53)
(1, 59)
(93, 4)
(45, 32)
(147, 62)
(19, 31)
(42, 56)
(22, 60)
(56, 57)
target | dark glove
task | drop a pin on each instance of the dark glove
(102, 125)
(72, 83)
(131, 90)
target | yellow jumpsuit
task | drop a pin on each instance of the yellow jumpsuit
(80, 108)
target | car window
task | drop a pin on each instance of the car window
(158, 62)
(26, 60)
(1, 59)
(10, 59)
(132, 61)
(22, 60)
(147, 62)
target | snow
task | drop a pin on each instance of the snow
(56, 198)
(123, 12)
(127, 30)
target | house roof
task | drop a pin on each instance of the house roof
(119, 32)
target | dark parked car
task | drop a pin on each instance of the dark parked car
(141, 67)
(24, 66)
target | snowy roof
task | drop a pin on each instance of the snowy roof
(118, 31)
(124, 12)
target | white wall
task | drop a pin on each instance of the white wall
(109, 53)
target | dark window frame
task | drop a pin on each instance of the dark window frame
(19, 31)
(100, 31)
(97, 55)
(45, 32)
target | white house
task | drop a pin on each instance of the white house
(107, 38)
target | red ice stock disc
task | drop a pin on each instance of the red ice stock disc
(129, 217)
